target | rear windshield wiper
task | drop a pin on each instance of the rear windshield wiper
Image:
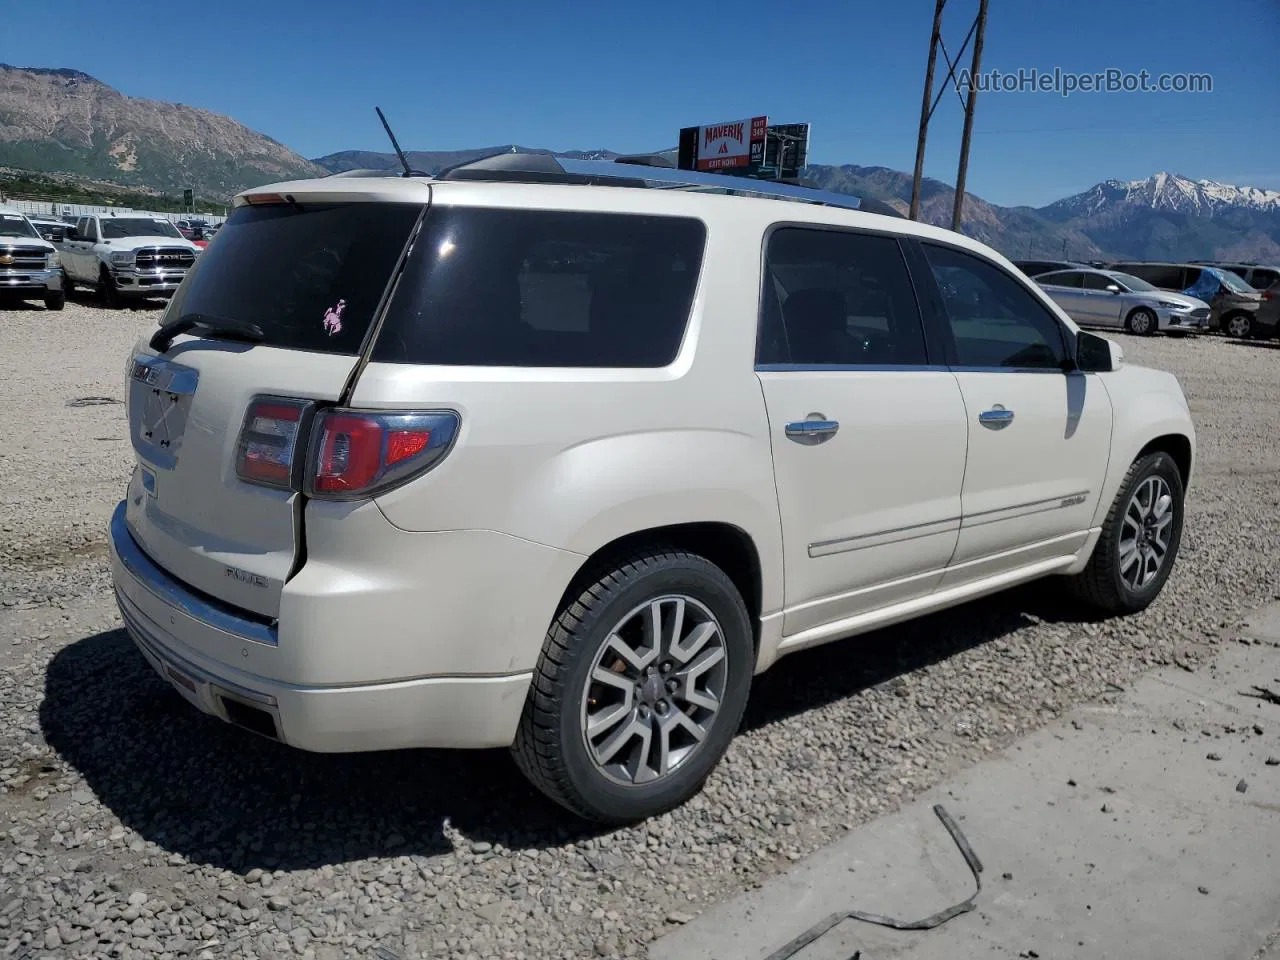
(225, 327)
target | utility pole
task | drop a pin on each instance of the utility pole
(929, 104)
(925, 111)
(969, 108)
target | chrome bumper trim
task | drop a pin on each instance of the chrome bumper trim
(175, 594)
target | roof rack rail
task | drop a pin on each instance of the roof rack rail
(641, 171)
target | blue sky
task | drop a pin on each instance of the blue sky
(627, 76)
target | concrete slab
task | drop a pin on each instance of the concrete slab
(1112, 834)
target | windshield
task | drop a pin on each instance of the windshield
(116, 228)
(1232, 282)
(16, 225)
(1136, 284)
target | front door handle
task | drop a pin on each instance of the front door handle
(812, 431)
(996, 418)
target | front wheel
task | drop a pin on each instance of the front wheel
(641, 685)
(108, 290)
(1238, 325)
(55, 300)
(1142, 321)
(1139, 541)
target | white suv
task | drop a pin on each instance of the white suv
(533, 454)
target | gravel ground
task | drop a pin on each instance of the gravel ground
(130, 826)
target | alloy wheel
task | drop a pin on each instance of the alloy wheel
(1145, 535)
(655, 689)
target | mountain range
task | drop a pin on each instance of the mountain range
(66, 122)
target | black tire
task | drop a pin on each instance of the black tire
(68, 285)
(108, 291)
(1142, 322)
(55, 300)
(1238, 325)
(1101, 584)
(551, 747)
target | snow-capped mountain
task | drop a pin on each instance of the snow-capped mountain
(1166, 192)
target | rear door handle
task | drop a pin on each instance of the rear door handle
(812, 431)
(996, 417)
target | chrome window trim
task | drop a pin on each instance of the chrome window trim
(175, 594)
(898, 368)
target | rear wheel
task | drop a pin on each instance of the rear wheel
(55, 300)
(1238, 325)
(1142, 321)
(1139, 541)
(640, 687)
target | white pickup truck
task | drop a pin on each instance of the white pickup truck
(29, 267)
(127, 257)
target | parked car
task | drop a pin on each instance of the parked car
(592, 462)
(1233, 303)
(127, 258)
(190, 228)
(30, 266)
(1107, 298)
(1033, 268)
(55, 231)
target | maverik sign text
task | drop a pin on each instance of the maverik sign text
(720, 146)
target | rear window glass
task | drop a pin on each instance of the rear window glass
(310, 276)
(538, 288)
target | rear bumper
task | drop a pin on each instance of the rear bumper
(167, 620)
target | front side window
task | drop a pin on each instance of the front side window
(834, 298)
(542, 288)
(994, 320)
(1098, 281)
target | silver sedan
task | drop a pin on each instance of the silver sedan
(1107, 298)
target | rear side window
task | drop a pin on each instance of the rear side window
(1265, 279)
(541, 288)
(309, 275)
(836, 298)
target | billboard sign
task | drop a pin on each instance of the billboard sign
(724, 146)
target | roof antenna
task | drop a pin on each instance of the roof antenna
(399, 153)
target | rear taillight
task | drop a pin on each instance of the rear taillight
(361, 453)
(269, 441)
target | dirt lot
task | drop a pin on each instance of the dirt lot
(130, 826)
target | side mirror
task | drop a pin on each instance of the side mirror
(1112, 288)
(71, 234)
(1095, 354)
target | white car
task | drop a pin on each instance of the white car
(1108, 298)
(516, 456)
(126, 258)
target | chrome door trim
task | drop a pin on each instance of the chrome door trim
(880, 538)
(1025, 509)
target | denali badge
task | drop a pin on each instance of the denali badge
(1074, 501)
(244, 576)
